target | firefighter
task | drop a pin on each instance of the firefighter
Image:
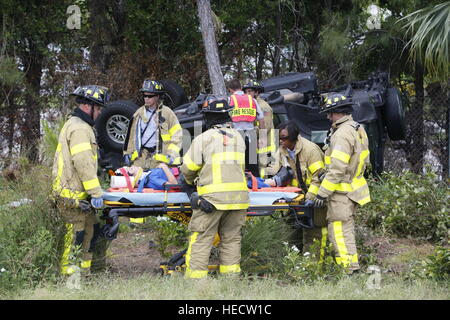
(215, 164)
(266, 132)
(244, 114)
(343, 186)
(154, 135)
(304, 160)
(76, 188)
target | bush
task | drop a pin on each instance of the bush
(31, 231)
(409, 205)
(262, 247)
(305, 268)
(168, 234)
(436, 267)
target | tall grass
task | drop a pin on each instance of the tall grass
(31, 231)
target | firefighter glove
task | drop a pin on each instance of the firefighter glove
(284, 176)
(84, 205)
(309, 203)
(206, 206)
(127, 160)
(194, 200)
(97, 203)
(319, 202)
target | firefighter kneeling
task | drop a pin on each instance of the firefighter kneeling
(215, 161)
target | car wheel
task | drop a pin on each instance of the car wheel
(175, 94)
(112, 125)
(393, 115)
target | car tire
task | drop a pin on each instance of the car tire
(393, 115)
(175, 94)
(112, 125)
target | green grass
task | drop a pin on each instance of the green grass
(151, 287)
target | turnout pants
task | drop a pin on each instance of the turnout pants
(82, 233)
(319, 233)
(204, 227)
(341, 230)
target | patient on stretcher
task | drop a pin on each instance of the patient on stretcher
(158, 177)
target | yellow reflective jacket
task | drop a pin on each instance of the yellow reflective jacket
(75, 163)
(346, 157)
(216, 161)
(170, 135)
(266, 133)
(311, 165)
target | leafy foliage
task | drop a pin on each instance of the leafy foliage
(169, 234)
(429, 41)
(262, 244)
(304, 268)
(436, 267)
(31, 232)
(409, 205)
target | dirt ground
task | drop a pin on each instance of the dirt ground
(134, 252)
(397, 255)
(131, 254)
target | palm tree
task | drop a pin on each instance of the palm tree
(429, 29)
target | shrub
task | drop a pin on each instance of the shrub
(408, 205)
(305, 268)
(262, 247)
(168, 234)
(436, 267)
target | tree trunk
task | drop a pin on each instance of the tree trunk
(261, 55)
(211, 50)
(277, 57)
(31, 128)
(107, 21)
(446, 162)
(417, 126)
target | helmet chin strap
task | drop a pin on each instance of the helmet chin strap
(92, 112)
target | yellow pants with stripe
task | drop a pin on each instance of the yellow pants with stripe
(204, 227)
(319, 233)
(79, 233)
(341, 230)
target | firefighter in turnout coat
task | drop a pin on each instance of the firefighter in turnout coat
(305, 162)
(154, 135)
(215, 165)
(76, 187)
(343, 186)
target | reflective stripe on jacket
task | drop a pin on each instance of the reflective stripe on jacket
(169, 133)
(216, 160)
(244, 108)
(75, 163)
(311, 164)
(266, 132)
(346, 158)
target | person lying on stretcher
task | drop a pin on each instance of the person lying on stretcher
(157, 178)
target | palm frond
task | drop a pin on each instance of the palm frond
(429, 29)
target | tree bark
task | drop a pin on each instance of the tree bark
(417, 128)
(31, 130)
(211, 50)
(277, 57)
